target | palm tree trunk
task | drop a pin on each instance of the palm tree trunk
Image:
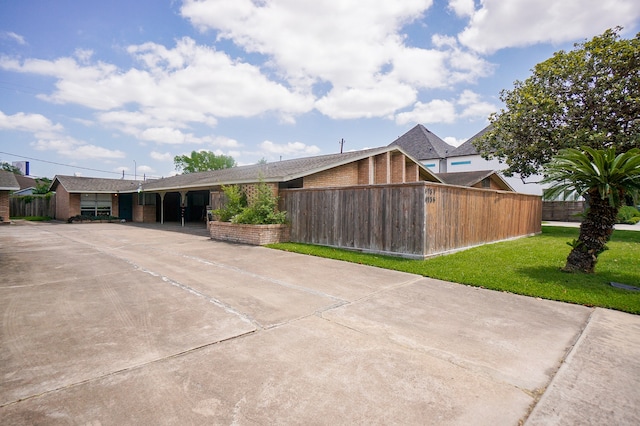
(595, 232)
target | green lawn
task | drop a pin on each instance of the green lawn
(528, 266)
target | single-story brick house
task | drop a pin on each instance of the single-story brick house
(8, 184)
(93, 196)
(168, 199)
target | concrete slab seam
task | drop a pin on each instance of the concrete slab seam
(244, 317)
(581, 336)
(264, 278)
(127, 369)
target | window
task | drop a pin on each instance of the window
(95, 204)
(486, 182)
(460, 163)
(429, 164)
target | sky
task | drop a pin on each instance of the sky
(105, 88)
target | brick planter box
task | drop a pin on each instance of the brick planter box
(256, 235)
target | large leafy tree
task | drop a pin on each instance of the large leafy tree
(589, 96)
(202, 161)
(603, 179)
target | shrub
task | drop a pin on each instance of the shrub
(262, 210)
(628, 215)
(235, 202)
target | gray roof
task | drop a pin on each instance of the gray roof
(279, 171)
(421, 144)
(75, 184)
(467, 148)
(472, 178)
(8, 181)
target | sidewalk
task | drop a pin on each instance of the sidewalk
(619, 226)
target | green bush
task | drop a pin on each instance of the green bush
(628, 215)
(235, 202)
(262, 210)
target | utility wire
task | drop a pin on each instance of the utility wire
(75, 167)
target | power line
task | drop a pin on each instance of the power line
(75, 167)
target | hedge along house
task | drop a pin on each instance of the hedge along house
(95, 197)
(8, 184)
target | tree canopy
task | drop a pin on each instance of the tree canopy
(10, 168)
(589, 96)
(201, 161)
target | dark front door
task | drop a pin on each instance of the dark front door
(125, 206)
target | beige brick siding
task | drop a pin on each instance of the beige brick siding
(67, 205)
(249, 234)
(345, 175)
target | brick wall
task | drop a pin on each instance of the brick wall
(397, 168)
(256, 235)
(67, 205)
(345, 175)
(382, 164)
(4, 206)
(364, 168)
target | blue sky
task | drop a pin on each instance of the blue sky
(98, 88)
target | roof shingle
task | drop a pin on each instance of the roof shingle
(8, 181)
(421, 144)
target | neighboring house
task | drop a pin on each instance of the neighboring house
(27, 185)
(188, 195)
(466, 158)
(485, 179)
(8, 184)
(93, 196)
(431, 151)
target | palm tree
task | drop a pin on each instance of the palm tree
(603, 179)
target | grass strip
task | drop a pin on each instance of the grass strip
(528, 266)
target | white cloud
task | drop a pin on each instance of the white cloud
(498, 24)
(37, 124)
(468, 105)
(354, 48)
(164, 135)
(473, 107)
(291, 149)
(172, 87)
(435, 111)
(453, 141)
(10, 35)
(161, 156)
(51, 137)
(462, 8)
(71, 148)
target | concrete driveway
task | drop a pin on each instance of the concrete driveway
(111, 324)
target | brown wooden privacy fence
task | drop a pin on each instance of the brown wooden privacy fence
(32, 205)
(412, 220)
(567, 211)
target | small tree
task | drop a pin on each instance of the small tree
(262, 209)
(603, 179)
(202, 161)
(235, 201)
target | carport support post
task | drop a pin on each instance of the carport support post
(183, 204)
(162, 207)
